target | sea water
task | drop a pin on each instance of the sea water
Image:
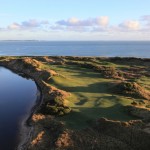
(76, 48)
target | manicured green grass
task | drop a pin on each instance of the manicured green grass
(90, 95)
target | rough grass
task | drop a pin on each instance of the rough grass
(144, 81)
(90, 97)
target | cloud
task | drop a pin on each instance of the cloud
(96, 24)
(56, 27)
(146, 19)
(101, 24)
(102, 21)
(99, 21)
(69, 28)
(82, 25)
(99, 29)
(14, 26)
(30, 24)
(130, 25)
(73, 21)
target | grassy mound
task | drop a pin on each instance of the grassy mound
(140, 112)
(30, 63)
(132, 89)
(55, 106)
(111, 135)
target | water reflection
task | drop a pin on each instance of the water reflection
(17, 97)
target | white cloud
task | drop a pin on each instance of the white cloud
(30, 24)
(69, 28)
(102, 21)
(130, 25)
(98, 26)
(73, 21)
(99, 21)
(82, 25)
(14, 26)
(56, 27)
(146, 19)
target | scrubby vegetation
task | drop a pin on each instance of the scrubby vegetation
(132, 89)
(78, 90)
(55, 107)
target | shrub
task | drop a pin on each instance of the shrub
(134, 103)
(148, 106)
(58, 101)
(67, 110)
(54, 109)
(61, 113)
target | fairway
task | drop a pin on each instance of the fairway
(90, 95)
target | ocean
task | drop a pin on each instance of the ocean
(139, 49)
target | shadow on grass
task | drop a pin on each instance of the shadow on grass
(99, 100)
(80, 116)
(78, 71)
(130, 61)
(99, 87)
(82, 102)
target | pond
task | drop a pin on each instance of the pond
(18, 95)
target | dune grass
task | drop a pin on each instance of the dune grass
(144, 81)
(90, 95)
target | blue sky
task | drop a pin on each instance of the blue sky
(75, 20)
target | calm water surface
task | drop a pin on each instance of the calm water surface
(17, 97)
(76, 48)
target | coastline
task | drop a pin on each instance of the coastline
(26, 128)
(26, 125)
(44, 89)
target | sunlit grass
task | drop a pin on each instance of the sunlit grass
(90, 95)
(144, 81)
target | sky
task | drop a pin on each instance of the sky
(75, 20)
